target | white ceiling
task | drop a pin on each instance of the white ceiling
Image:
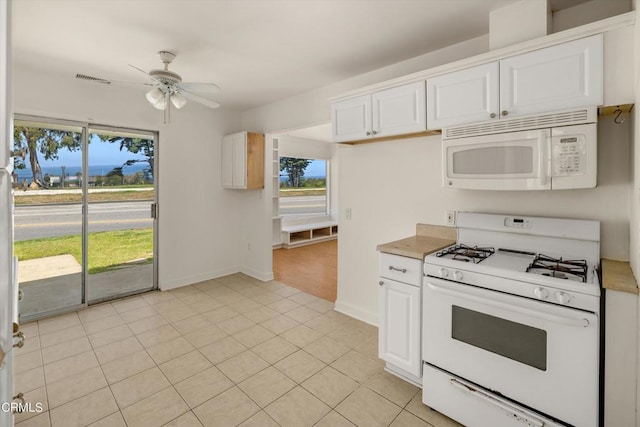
(258, 51)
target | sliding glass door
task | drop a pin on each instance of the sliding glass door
(121, 195)
(48, 215)
(84, 232)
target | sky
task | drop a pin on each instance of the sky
(106, 153)
(100, 153)
(316, 168)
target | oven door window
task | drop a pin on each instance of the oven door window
(515, 341)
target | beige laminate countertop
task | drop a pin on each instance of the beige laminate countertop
(428, 239)
(617, 276)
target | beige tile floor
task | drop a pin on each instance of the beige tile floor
(226, 352)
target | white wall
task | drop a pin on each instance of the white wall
(198, 222)
(587, 12)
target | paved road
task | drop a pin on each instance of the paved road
(32, 222)
(303, 205)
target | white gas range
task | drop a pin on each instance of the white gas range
(511, 322)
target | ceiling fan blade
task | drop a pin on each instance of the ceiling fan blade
(199, 99)
(149, 76)
(93, 79)
(108, 82)
(205, 88)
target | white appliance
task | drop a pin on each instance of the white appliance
(8, 301)
(550, 152)
(511, 323)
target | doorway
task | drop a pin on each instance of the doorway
(84, 225)
(305, 211)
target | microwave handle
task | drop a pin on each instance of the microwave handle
(544, 163)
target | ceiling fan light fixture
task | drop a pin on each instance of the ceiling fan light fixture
(154, 96)
(178, 100)
(160, 105)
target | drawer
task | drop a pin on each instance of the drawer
(400, 268)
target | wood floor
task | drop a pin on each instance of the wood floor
(311, 268)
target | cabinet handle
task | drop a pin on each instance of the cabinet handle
(505, 112)
(401, 270)
(492, 115)
(368, 133)
(373, 132)
(380, 283)
(20, 336)
(20, 295)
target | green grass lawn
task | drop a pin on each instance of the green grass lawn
(107, 249)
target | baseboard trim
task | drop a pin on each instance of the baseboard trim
(357, 312)
(264, 277)
(196, 278)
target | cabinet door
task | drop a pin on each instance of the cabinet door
(399, 325)
(399, 110)
(556, 78)
(464, 96)
(227, 161)
(351, 119)
(239, 168)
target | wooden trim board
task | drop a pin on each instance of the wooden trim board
(255, 161)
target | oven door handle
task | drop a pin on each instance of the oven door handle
(509, 409)
(564, 320)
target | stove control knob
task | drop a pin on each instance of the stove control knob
(541, 293)
(457, 275)
(444, 272)
(563, 297)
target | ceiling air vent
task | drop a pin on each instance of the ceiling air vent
(563, 118)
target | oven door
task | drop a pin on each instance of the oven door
(508, 161)
(541, 355)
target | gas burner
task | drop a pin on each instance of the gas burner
(466, 253)
(557, 267)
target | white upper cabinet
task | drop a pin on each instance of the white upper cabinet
(395, 111)
(399, 110)
(351, 119)
(464, 96)
(243, 161)
(556, 78)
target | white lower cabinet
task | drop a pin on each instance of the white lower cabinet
(399, 328)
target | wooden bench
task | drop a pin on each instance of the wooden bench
(295, 235)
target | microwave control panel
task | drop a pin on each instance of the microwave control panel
(569, 155)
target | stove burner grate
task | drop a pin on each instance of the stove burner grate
(559, 268)
(466, 253)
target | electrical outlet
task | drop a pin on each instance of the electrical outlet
(347, 214)
(450, 218)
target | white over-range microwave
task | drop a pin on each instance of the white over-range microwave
(544, 152)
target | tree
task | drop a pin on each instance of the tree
(295, 169)
(47, 142)
(136, 145)
(114, 177)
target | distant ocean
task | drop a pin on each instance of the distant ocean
(99, 170)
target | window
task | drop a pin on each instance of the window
(303, 187)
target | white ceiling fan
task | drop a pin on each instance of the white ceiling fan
(168, 87)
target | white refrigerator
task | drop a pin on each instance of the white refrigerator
(8, 281)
